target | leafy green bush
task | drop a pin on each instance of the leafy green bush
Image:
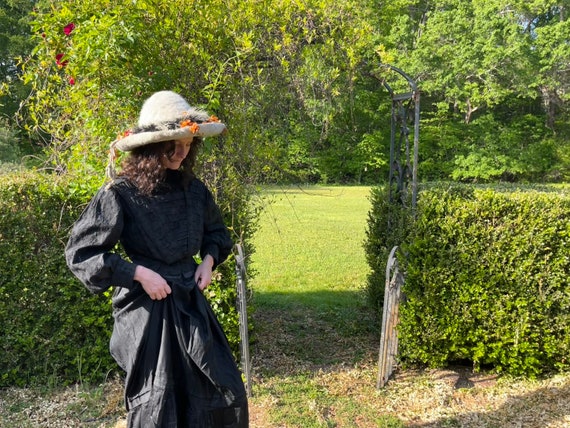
(53, 330)
(486, 279)
(388, 225)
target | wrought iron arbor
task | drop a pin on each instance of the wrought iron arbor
(403, 173)
(403, 156)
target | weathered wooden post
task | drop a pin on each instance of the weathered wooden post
(242, 309)
(390, 316)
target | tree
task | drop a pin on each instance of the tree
(300, 83)
(15, 43)
(491, 64)
(284, 74)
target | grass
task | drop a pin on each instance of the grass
(309, 246)
(315, 343)
(311, 319)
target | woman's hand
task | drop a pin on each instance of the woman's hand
(203, 275)
(155, 285)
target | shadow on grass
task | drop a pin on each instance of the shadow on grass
(548, 406)
(296, 332)
(298, 335)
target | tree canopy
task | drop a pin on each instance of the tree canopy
(299, 83)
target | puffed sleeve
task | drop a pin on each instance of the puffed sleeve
(216, 240)
(89, 251)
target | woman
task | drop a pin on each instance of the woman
(180, 371)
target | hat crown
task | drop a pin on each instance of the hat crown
(168, 107)
(166, 116)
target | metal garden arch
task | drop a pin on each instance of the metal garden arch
(403, 173)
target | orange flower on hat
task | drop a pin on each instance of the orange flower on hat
(194, 127)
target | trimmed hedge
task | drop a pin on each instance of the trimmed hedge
(486, 279)
(53, 331)
(388, 226)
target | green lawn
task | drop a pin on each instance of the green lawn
(309, 247)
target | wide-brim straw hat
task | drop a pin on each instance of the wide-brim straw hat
(167, 116)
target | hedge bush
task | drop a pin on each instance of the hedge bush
(486, 279)
(388, 225)
(53, 330)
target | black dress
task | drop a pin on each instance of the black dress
(180, 371)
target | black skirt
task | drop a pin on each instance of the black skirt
(180, 368)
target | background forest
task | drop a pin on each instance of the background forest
(299, 83)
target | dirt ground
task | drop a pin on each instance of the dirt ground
(451, 397)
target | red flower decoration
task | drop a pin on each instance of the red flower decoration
(124, 134)
(59, 62)
(69, 28)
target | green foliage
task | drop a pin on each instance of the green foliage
(473, 40)
(298, 82)
(276, 73)
(15, 43)
(494, 87)
(486, 279)
(388, 226)
(9, 150)
(488, 150)
(222, 296)
(52, 329)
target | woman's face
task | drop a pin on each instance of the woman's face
(173, 158)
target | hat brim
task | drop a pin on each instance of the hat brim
(140, 139)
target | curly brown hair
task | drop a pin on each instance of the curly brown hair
(143, 167)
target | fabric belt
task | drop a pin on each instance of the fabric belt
(184, 268)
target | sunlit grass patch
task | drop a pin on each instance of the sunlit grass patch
(309, 248)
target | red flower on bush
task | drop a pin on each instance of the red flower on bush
(59, 62)
(71, 81)
(68, 28)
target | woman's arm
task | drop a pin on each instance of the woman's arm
(89, 251)
(216, 240)
(203, 275)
